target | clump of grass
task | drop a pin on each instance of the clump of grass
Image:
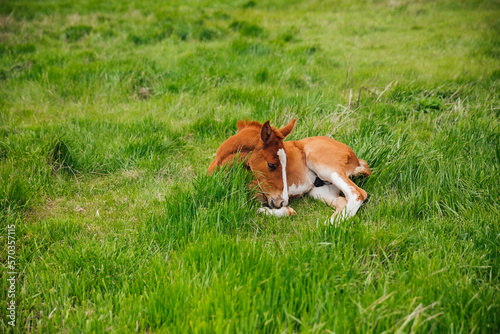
(245, 47)
(126, 146)
(262, 75)
(75, 33)
(17, 49)
(60, 157)
(14, 190)
(207, 34)
(23, 179)
(222, 202)
(247, 29)
(249, 4)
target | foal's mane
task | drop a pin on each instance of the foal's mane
(247, 124)
(256, 125)
(247, 139)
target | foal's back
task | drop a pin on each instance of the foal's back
(324, 151)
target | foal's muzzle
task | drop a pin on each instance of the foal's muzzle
(277, 202)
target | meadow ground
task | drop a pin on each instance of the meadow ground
(111, 112)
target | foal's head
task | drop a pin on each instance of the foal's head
(268, 163)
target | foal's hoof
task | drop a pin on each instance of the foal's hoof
(333, 221)
(337, 218)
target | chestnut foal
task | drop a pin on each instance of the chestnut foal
(317, 166)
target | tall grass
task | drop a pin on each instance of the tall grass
(222, 203)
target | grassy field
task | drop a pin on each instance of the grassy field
(110, 113)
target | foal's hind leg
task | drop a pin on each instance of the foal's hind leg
(354, 195)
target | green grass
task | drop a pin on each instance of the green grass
(110, 113)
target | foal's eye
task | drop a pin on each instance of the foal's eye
(271, 166)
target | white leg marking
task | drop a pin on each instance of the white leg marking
(281, 212)
(353, 203)
(282, 156)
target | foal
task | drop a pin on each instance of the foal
(317, 166)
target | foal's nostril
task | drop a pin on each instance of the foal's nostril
(278, 203)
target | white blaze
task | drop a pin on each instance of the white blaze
(282, 156)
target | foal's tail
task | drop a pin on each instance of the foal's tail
(362, 169)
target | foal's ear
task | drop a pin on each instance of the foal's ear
(285, 131)
(240, 125)
(266, 133)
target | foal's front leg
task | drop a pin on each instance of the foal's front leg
(354, 196)
(281, 212)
